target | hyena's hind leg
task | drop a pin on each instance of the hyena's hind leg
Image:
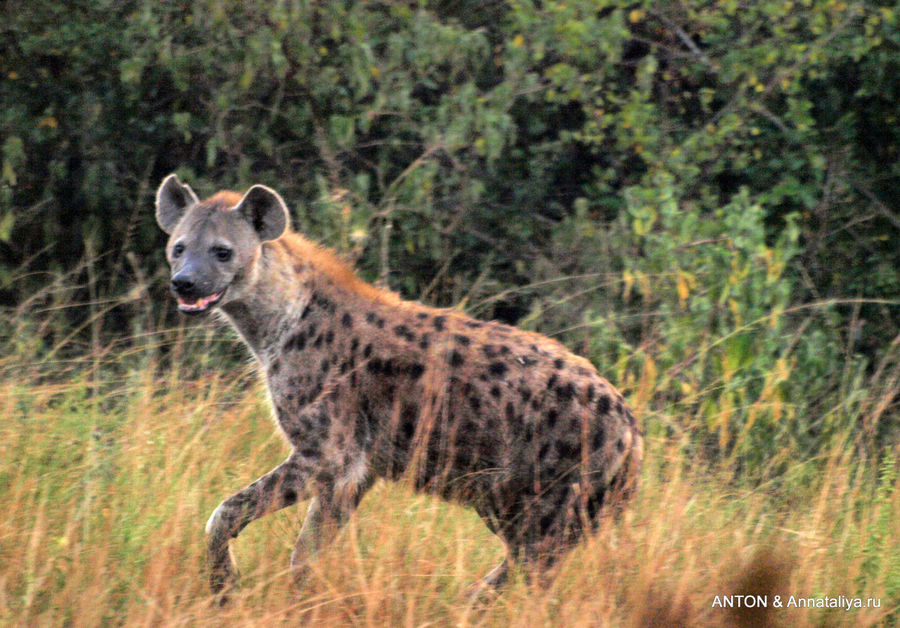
(539, 570)
(328, 512)
(535, 541)
(281, 487)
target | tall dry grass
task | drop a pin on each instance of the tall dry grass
(109, 475)
(114, 453)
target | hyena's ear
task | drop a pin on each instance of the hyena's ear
(172, 198)
(266, 212)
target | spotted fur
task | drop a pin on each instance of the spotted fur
(365, 385)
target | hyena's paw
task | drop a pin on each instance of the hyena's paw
(488, 588)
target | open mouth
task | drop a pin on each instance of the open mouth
(200, 305)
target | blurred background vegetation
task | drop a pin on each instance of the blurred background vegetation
(699, 196)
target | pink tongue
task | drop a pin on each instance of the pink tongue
(200, 303)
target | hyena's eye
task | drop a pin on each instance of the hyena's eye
(177, 250)
(222, 254)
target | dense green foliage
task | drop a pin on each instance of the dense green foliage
(699, 196)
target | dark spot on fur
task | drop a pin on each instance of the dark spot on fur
(306, 311)
(603, 404)
(552, 381)
(367, 351)
(296, 433)
(495, 392)
(404, 332)
(545, 449)
(347, 320)
(329, 337)
(589, 393)
(629, 417)
(558, 363)
(620, 445)
(354, 345)
(474, 324)
(456, 359)
(309, 452)
(324, 303)
(594, 503)
(525, 393)
(325, 365)
(510, 411)
(344, 367)
(619, 407)
(497, 369)
(475, 402)
(318, 342)
(370, 317)
(547, 522)
(360, 428)
(463, 340)
(529, 431)
(552, 416)
(438, 322)
(598, 440)
(526, 361)
(535, 403)
(422, 316)
(423, 343)
(415, 370)
(566, 450)
(297, 342)
(565, 392)
(408, 420)
(276, 366)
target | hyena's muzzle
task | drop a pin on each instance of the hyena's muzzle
(194, 288)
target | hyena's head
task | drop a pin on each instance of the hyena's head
(214, 245)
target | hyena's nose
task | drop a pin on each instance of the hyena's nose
(182, 284)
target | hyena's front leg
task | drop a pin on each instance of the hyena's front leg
(327, 514)
(283, 486)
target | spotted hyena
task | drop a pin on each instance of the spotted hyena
(365, 385)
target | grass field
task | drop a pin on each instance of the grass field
(110, 467)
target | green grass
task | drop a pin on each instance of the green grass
(110, 471)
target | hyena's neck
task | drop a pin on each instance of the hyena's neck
(298, 285)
